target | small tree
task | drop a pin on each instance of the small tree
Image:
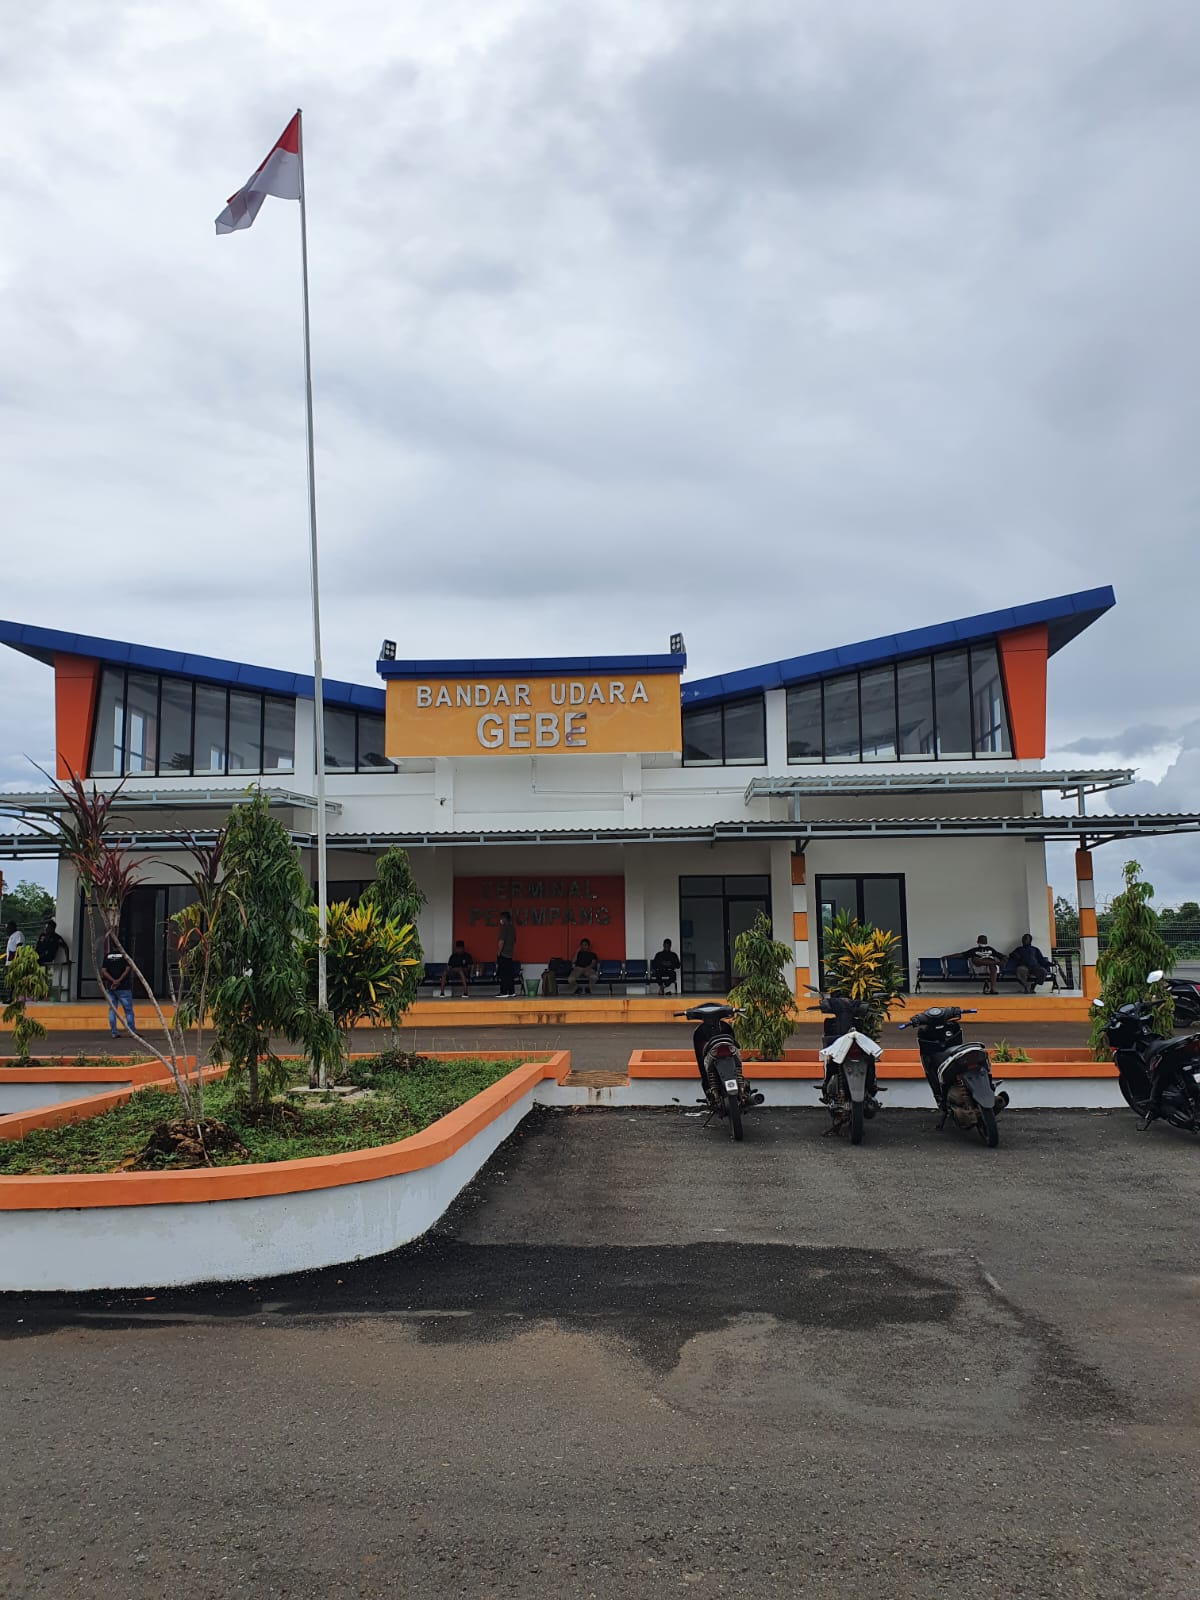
(1066, 922)
(398, 898)
(1134, 948)
(861, 962)
(367, 963)
(26, 981)
(762, 991)
(256, 986)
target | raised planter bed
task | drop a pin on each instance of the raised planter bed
(128, 1229)
(65, 1080)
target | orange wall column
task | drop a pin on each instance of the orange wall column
(800, 924)
(75, 679)
(1089, 944)
(1023, 656)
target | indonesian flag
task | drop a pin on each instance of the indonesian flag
(279, 175)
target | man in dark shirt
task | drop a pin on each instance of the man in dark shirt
(665, 967)
(1032, 966)
(506, 966)
(458, 967)
(586, 968)
(116, 979)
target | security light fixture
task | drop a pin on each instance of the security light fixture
(387, 650)
(676, 644)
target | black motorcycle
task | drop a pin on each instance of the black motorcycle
(849, 1089)
(1186, 996)
(959, 1074)
(719, 1060)
(1158, 1077)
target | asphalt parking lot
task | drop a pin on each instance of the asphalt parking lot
(637, 1359)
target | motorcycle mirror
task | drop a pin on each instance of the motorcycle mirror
(1098, 1005)
(1156, 976)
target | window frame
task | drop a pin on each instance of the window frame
(723, 706)
(111, 670)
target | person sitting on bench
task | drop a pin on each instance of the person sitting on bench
(665, 967)
(458, 967)
(586, 968)
(1032, 966)
(986, 963)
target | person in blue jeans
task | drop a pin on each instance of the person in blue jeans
(116, 979)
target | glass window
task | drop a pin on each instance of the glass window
(804, 722)
(141, 722)
(877, 695)
(914, 701)
(245, 731)
(746, 731)
(108, 735)
(339, 740)
(702, 736)
(987, 702)
(279, 735)
(701, 885)
(175, 728)
(952, 697)
(370, 746)
(842, 741)
(209, 737)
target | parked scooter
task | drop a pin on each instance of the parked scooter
(959, 1074)
(849, 1089)
(1186, 996)
(1158, 1077)
(726, 1092)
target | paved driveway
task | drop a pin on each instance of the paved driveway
(641, 1360)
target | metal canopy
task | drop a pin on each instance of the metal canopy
(47, 802)
(904, 781)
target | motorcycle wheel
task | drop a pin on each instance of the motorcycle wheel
(856, 1121)
(1131, 1100)
(988, 1131)
(733, 1110)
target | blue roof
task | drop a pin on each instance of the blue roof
(532, 667)
(1065, 616)
(43, 644)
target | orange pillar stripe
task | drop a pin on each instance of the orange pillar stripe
(1023, 655)
(1083, 865)
(801, 982)
(75, 680)
(800, 927)
(798, 869)
(1091, 983)
(1087, 922)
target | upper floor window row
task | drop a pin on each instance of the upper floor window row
(938, 707)
(156, 726)
(354, 741)
(733, 734)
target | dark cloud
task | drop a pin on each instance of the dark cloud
(1130, 742)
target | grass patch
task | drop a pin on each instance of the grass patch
(410, 1093)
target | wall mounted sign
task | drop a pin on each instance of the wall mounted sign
(609, 715)
(551, 913)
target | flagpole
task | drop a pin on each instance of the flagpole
(318, 689)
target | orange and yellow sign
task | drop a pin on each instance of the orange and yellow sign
(613, 714)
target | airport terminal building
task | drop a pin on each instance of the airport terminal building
(902, 779)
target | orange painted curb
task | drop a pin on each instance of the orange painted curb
(64, 1192)
(18, 1123)
(136, 1071)
(899, 1064)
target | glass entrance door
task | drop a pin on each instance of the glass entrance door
(712, 912)
(877, 898)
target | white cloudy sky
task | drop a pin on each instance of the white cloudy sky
(784, 323)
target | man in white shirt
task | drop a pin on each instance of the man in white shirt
(15, 940)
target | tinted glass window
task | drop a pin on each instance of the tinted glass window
(745, 731)
(339, 739)
(702, 736)
(987, 702)
(245, 732)
(209, 738)
(804, 722)
(878, 698)
(952, 699)
(370, 746)
(279, 736)
(109, 733)
(841, 719)
(141, 722)
(914, 698)
(175, 741)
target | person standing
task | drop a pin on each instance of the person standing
(506, 966)
(116, 979)
(14, 939)
(49, 943)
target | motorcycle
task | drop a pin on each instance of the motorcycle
(1157, 1076)
(849, 1089)
(959, 1074)
(1186, 996)
(726, 1092)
